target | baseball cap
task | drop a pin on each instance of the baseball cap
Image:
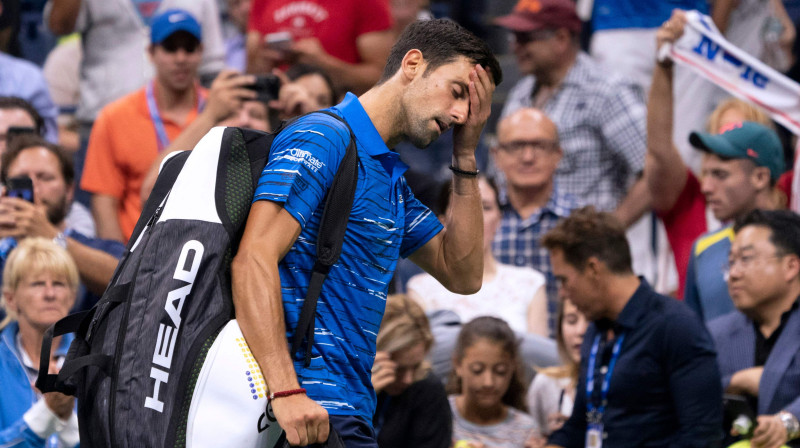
(171, 21)
(744, 140)
(532, 15)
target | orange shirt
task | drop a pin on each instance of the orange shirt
(122, 146)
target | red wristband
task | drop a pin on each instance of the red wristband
(286, 393)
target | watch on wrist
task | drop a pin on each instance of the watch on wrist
(791, 424)
(61, 240)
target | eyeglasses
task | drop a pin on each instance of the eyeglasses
(744, 262)
(538, 146)
(522, 38)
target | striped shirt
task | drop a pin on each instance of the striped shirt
(386, 222)
(601, 125)
(517, 240)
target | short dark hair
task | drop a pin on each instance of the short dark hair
(297, 71)
(14, 102)
(588, 233)
(441, 41)
(784, 226)
(23, 142)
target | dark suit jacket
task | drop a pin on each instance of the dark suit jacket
(735, 338)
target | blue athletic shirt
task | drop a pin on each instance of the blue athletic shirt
(706, 290)
(624, 14)
(386, 222)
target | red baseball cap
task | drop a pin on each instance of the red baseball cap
(532, 15)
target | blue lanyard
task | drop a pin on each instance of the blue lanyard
(596, 413)
(155, 116)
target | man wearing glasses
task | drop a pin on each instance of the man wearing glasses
(527, 152)
(600, 114)
(758, 346)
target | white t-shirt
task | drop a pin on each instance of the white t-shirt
(507, 296)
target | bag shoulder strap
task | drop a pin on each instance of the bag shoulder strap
(333, 224)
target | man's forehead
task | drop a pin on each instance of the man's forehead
(751, 237)
(15, 117)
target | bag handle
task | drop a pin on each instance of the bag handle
(330, 238)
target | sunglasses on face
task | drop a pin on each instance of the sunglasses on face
(522, 38)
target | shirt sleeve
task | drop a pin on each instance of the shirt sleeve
(695, 383)
(690, 294)
(254, 22)
(101, 173)
(20, 435)
(373, 15)
(420, 224)
(302, 164)
(624, 127)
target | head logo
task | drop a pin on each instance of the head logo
(176, 18)
(730, 126)
(529, 6)
(752, 153)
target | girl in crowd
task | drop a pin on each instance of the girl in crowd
(552, 393)
(412, 408)
(40, 282)
(487, 382)
(514, 294)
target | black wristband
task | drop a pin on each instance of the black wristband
(463, 172)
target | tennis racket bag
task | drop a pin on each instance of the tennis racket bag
(160, 360)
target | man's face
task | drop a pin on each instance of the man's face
(10, 118)
(176, 60)
(239, 11)
(527, 151)
(535, 51)
(49, 187)
(728, 186)
(435, 101)
(576, 286)
(758, 273)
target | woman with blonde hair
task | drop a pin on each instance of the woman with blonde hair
(412, 405)
(40, 283)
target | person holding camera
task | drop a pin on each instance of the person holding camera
(41, 176)
(130, 132)
(253, 102)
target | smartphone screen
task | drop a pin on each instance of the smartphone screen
(20, 187)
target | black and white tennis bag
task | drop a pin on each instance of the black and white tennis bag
(160, 360)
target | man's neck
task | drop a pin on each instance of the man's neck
(553, 76)
(170, 100)
(527, 201)
(768, 315)
(619, 291)
(380, 103)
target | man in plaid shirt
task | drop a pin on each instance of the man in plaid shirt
(527, 152)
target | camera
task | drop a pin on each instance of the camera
(266, 87)
(20, 187)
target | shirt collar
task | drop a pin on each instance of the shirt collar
(368, 137)
(578, 73)
(636, 306)
(557, 204)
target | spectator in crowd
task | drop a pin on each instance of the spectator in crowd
(488, 404)
(61, 70)
(115, 51)
(23, 79)
(552, 393)
(40, 281)
(349, 39)
(407, 11)
(235, 50)
(52, 174)
(412, 408)
(16, 112)
(303, 89)
(514, 294)
(130, 132)
(527, 153)
(758, 346)
(649, 374)
(739, 169)
(600, 115)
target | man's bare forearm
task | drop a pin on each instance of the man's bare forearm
(63, 15)
(635, 204)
